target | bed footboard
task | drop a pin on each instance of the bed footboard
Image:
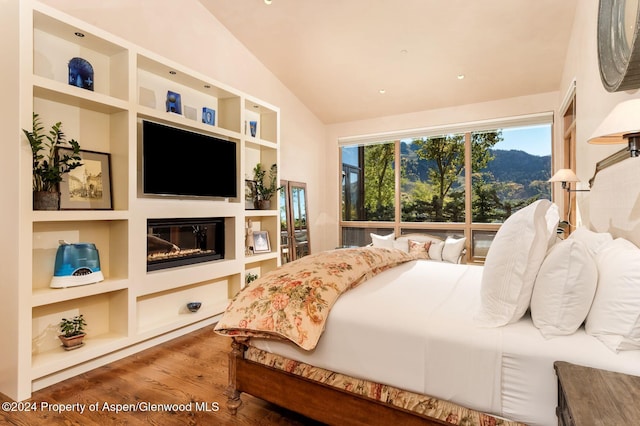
(326, 403)
(311, 399)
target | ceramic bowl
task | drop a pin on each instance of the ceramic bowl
(194, 306)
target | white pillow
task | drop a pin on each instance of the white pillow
(513, 261)
(435, 251)
(452, 249)
(614, 317)
(594, 240)
(384, 241)
(564, 289)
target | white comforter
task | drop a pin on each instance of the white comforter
(413, 327)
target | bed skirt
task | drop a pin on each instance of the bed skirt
(340, 399)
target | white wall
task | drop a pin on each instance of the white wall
(185, 32)
(592, 100)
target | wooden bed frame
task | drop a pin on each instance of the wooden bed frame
(312, 399)
(332, 405)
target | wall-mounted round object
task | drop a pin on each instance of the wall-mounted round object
(618, 44)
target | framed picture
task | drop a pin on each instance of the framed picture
(87, 187)
(249, 191)
(261, 242)
(208, 116)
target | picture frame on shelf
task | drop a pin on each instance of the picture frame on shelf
(87, 187)
(208, 116)
(261, 242)
(249, 191)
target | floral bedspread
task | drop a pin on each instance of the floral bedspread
(292, 302)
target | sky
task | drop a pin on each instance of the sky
(535, 140)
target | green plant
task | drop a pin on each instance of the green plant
(72, 327)
(251, 277)
(48, 166)
(265, 187)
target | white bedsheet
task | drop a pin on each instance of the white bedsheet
(412, 327)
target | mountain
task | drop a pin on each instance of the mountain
(507, 166)
(519, 166)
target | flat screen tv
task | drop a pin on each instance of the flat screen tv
(183, 163)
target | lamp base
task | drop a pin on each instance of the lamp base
(634, 143)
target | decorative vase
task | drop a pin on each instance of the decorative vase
(263, 204)
(46, 200)
(73, 342)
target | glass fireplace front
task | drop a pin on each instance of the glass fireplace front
(179, 242)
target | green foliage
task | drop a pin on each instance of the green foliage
(379, 178)
(432, 181)
(49, 167)
(251, 277)
(264, 187)
(440, 161)
(72, 327)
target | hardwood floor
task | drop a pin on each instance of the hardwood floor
(189, 374)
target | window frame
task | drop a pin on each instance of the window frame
(466, 228)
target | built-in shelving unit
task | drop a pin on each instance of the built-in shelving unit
(131, 307)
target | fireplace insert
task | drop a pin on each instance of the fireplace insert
(179, 242)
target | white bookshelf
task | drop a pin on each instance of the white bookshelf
(131, 307)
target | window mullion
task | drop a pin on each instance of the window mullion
(468, 208)
(397, 195)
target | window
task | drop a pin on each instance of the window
(432, 183)
(510, 170)
(462, 183)
(368, 190)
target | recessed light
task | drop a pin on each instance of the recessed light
(404, 51)
(267, 1)
(382, 91)
(79, 34)
(460, 76)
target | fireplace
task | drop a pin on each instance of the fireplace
(179, 242)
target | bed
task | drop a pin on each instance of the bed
(414, 341)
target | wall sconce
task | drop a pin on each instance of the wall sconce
(622, 123)
(566, 176)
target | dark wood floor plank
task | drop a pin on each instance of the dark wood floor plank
(189, 370)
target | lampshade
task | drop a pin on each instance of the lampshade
(623, 119)
(620, 126)
(564, 175)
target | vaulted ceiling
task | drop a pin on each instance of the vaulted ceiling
(357, 59)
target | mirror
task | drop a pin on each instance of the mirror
(294, 232)
(618, 44)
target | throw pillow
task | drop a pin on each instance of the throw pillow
(452, 249)
(420, 249)
(384, 241)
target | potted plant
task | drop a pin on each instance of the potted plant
(250, 278)
(48, 166)
(72, 332)
(264, 187)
